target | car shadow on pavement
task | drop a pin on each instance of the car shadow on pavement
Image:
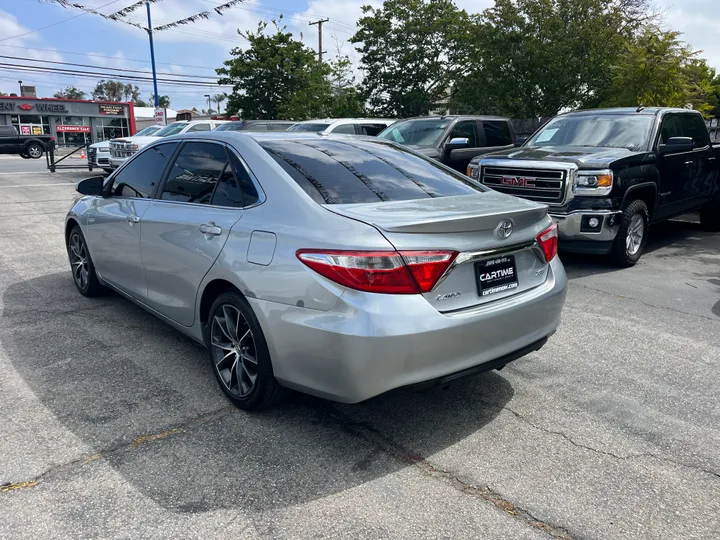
(143, 398)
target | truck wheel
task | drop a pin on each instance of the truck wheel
(34, 150)
(632, 235)
(710, 215)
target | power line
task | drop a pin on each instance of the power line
(56, 23)
(100, 67)
(71, 81)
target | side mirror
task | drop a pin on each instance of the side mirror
(457, 142)
(521, 140)
(675, 145)
(90, 186)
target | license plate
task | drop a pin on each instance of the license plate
(496, 275)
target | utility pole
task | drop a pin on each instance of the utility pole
(208, 96)
(152, 55)
(319, 25)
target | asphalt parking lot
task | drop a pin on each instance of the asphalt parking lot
(112, 425)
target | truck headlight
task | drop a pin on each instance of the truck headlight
(593, 183)
(472, 172)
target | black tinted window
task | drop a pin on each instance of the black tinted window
(139, 177)
(497, 133)
(694, 126)
(235, 187)
(465, 130)
(7, 131)
(671, 127)
(372, 130)
(195, 172)
(348, 129)
(340, 172)
(279, 127)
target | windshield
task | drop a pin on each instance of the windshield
(631, 131)
(231, 126)
(172, 129)
(313, 126)
(147, 132)
(416, 132)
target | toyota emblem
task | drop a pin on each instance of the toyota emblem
(504, 228)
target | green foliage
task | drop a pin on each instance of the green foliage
(345, 99)
(115, 91)
(70, 92)
(656, 68)
(277, 76)
(164, 101)
(139, 102)
(219, 98)
(412, 51)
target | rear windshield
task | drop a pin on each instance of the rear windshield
(360, 171)
(231, 126)
(315, 126)
(171, 129)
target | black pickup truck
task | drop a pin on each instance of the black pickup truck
(607, 175)
(28, 146)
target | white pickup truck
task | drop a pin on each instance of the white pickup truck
(122, 149)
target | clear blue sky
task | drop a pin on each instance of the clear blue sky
(198, 48)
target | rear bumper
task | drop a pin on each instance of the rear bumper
(371, 343)
(576, 234)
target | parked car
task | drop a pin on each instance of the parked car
(99, 153)
(370, 127)
(256, 125)
(122, 149)
(607, 175)
(340, 266)
(453, 140)
(26, 146)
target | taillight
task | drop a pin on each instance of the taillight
(548, 240)
(391, 272)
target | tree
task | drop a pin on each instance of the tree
(277, 76)
(219, 98)
(3, 94)
(115, 91)
(533, 58)
(70, 92)
(345, 98)
(139, 102)
(658, 69)
(164, 101)
(412, 51)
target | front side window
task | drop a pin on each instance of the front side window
(631, 131)
(420, 133)
(347, 171)
(497, 133)
(694, 126)
(466, 130)
(671, 127)
(371, 130)
(196, 170)
(143, 173)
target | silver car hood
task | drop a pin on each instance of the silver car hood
(462, 213)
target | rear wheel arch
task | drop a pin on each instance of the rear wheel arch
(211, 291)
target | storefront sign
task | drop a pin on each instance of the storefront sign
(160, 117)
(25, 130)
(73, 129)
(39, 107)
(115, 110)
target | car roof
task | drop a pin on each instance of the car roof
(653, 111)
(456, 117)
(333, 121)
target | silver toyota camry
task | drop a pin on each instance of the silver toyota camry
(341, 267)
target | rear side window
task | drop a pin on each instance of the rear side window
(195, 172)
(235, 187)
(497, 133)
(143, 173)
(466, 130)
(279, 127)
(199, 127)
(694, 126)
(362, 171)
(348, 129)
(7, 131)
(372, 130)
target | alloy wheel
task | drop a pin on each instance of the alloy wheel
(233, 350)
(635, 234)
(35, 152)
(79, 260)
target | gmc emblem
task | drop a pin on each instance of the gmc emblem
(517, 181)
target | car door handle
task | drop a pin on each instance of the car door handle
(688, 163)
(211, 229)
(132, 218)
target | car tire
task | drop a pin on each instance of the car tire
(34, 150)
(632, 235)
(239, 356)
(710, 215)
(81, 265)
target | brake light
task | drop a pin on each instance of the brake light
(390, 272)
(548, 240)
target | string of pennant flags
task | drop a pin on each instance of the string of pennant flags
(119, 16)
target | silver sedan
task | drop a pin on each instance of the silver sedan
(341, 267)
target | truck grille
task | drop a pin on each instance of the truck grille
(121, 151)
(541, 185)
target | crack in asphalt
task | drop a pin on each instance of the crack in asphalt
(426, 467)
(655, 306)
(572, 441)
(141, 440)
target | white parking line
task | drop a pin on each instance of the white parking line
(40, 185)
